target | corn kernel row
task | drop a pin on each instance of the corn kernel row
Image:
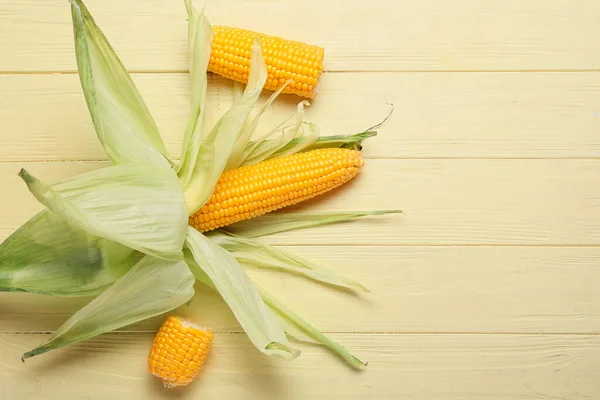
(179, 350)
(254, 190)
(285, 60)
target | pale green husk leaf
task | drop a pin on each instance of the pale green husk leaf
(353, 142)
(255, 253)
(200, 36)
(139, 206)
(263, 148)
(266, 149)
(206, 258)
(47, 255)
(240, 152)
(216, 148)
(293, 325)
(152, 287)
(273, 223)
(304, 134)
(122, 121)
(238, 91)
(302, 330)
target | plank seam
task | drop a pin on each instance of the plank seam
(451, 158)
(516, 245)
(365, 333)
(335, 71)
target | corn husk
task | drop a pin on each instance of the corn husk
(254, 253)
(121, 232)
(238, 291)
(152, 287)
(48, 255)
(123, 123)
(270, 224)
(139, 206)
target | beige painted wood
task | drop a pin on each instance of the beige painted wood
(494, 115)
(485, 288)
(474, 202)
(453, 367)
(415, 289)
(414, 35)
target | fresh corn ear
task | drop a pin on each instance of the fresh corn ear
(179, 350)
(286, 60)
(257, 189)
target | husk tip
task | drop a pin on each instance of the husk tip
(26, 176)
(289, 353)
(76, 5)
(366, 289)
(359, 363)
(191, 9)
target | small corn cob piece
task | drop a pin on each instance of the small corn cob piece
(178, 351)
(257, 189)
(285, 60)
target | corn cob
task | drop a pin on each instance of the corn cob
(178, 351)
(285, 60)
(253, 190)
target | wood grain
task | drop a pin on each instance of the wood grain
(495, 115)
(415, 289)
(485, 288)
(452, 367)
(459, 35)
(472, 202)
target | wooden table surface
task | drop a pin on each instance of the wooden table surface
(487, 287)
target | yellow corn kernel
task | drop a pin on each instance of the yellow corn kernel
(285, 59)
(254, 190)
(179, 350)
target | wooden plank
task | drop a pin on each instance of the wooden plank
(453, 367)
(416, 35)
(481, 202)
(435, 115)
(415, 289)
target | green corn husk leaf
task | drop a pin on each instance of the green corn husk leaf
(141, 207)
(122, 121)
(293, 325)
(273, 223)
(200, 36)
(209, 261)
(215, 149)
(353, 142)
(289, 328)
(263, 148)
(301, 144)
(152, 287)
(300, 140)
(298, 327)
(255, 253)
(238, 91)
(240, 152)
(47, 255)
(252, 145)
